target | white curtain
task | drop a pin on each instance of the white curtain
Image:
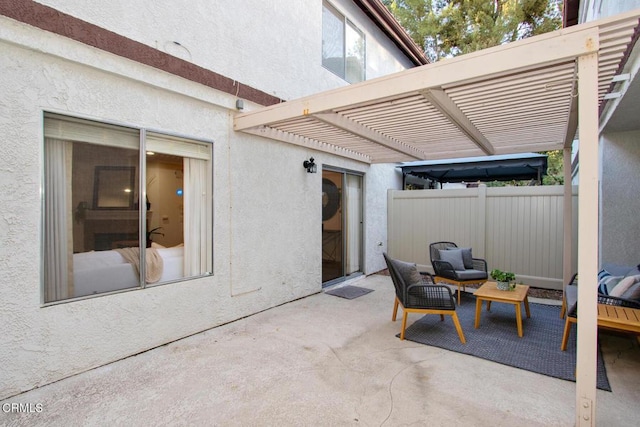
(58, 255)
(354, 228)
(196, 211)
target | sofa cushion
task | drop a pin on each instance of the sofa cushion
(571, 297)
(453, 257)
(618, 270)
(472, 275)
(633, 293)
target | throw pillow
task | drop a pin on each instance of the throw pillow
(602, 274)
(467, 257)
(408, 271)
(453, 257)
(623, 286)
(607, 283)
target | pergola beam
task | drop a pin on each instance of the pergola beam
(354, 128)
(533, 53)
(449, 109)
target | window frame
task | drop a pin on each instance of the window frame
(347, 25)
(49, 113)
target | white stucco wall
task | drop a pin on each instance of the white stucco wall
(619, 206)
(272, 45)
(595, 9)
(267, 209)
(379, 178)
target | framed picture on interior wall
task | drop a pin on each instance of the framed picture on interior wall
(113, 187)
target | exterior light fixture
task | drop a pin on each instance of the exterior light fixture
(310, 166)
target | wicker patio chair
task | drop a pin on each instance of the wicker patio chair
(474, 270)
(419, 295)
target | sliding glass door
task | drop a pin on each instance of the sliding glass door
(341, 225)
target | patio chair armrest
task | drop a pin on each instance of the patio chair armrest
(444, 269)
(622, 302)
(479, 264)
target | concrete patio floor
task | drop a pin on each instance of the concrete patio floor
(322, 361)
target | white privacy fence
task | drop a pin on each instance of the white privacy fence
(518, 229)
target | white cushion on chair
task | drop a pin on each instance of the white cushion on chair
(623, 286)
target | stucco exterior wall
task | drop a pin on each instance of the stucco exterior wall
(619, 207)
(379, 177)
(267, 209)
(591, 10)
(275, 46)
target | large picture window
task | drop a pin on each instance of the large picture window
(343, 48)
(123, 208)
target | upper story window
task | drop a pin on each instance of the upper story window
(123, 208)
(342, 46)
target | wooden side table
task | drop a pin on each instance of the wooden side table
(489, 292)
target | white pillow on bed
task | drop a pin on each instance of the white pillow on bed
(93, 259)
(171, 252)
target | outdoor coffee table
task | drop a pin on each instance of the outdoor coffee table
(489, 292)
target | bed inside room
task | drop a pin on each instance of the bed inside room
(94, 211)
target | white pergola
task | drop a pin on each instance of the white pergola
(530, 95)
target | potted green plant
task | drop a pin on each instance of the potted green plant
(503, 279)
(150, 234)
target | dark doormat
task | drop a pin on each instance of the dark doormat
(497, 338)
(349, 292)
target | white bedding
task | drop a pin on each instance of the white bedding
(104, 271)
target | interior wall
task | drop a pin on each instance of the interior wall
(167, 206)
(620, 219)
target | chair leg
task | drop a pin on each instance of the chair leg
(456, 322)
(563, 308)
(442, 317)
(404, 324)
(395, 310)
(458, 293)
(565, 334)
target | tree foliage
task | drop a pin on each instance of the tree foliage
(554, 176)
(555, 169)
(446, 28)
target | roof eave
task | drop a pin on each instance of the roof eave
(384, 19)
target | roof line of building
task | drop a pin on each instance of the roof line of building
(385, 20)
(49, 19)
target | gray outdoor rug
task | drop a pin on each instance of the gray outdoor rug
(497, 338)
(349, 292)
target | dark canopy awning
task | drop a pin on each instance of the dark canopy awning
(489, 168)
